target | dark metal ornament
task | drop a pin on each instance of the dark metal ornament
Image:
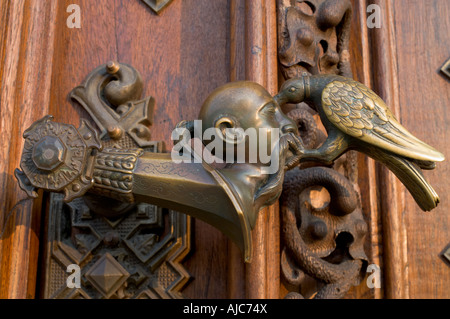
(313, 38)
(328, 244)
(157, 5)
(124, 248)
(445, 69)
(57, 157)
(126, 177)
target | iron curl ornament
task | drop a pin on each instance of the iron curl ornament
(313, 40)
(324, 242)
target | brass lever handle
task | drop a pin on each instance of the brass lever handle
(54, 162)
(57, 158)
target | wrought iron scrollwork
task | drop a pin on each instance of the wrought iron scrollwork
(323, 239)
(325, 242)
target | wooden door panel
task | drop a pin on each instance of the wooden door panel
(183, 54)
(52, 59)
(180, 61)
(422, 41)
(26, 50)
(405, 56)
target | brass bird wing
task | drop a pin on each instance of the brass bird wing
(359, 112)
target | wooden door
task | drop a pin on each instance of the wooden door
(184, 53)
(409, 53)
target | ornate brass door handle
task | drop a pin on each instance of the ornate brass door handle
(53, 162)
(57, 157)
(357, 118)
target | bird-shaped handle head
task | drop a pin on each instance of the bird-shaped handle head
(292, 91)
(356, 118)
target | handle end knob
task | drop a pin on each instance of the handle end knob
(56, 157)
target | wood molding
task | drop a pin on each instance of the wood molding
(27, 50)
(253, 57)
(27, 75)
(360, 59)
(236, 267)
(261, 64)
(391, 191)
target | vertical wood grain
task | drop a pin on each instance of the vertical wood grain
(27, 50)
(391, 191)
(262, 275)
(182, 55)
(236, 267)
(273, 218)
(360, 59)
(204, 66)
(407, 51)
(253, 56)
(423, 41)
(255, 70)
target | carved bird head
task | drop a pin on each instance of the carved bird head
(292, 91)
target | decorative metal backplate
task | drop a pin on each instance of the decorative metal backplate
(134, 256)
(322, 239)
(123, 249)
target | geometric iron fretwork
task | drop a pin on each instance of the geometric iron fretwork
(134, 256)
